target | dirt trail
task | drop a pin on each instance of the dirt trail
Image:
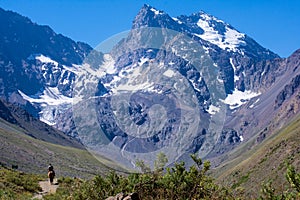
(47, 188)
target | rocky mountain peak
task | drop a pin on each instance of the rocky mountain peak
(149, 16)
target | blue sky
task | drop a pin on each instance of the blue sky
(275, 24)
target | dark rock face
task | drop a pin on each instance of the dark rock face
(292, 87)
(121, 196)
(150, 17)
(228, 139)
(138, 110)
(6, 114)
(288, 91)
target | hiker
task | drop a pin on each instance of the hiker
(51, 173)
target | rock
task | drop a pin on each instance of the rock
(122, 196)
(288, 91)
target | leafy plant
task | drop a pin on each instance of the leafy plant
(293, 178)
(174, 183)
(293, 192)
(17, 185)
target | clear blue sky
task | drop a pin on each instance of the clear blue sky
(275, 24)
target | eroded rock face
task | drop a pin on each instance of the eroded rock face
(288, 91)
(122, 196)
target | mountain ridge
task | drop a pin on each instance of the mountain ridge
(10, 19)
(248, 76)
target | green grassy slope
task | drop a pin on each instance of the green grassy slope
(18, 185)
(33, 155)
(249, 167)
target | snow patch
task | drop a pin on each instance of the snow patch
(220, 80)
(236, 78)
(194, 85)
(50, 96)
(206, 49)
(143, 60)
(169, 73)
(75, 68)
(171, 63)
(52, 103)
(252, 106)
(238, 98)
(177, 20)
(45, 59)
(213, 109)
(230, 40)
(109, 64)
(156, 12)
(106, 67)
(131, 81)
(241, 138)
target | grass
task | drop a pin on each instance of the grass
(251, 166)
(32, 155)
(18, 185)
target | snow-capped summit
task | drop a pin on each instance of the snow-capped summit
(207, 28)
(222, 34)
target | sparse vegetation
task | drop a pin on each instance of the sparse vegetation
(268, 190)
(176, 182)
(264, 165)
(18, 185)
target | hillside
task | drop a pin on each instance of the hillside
(34, 127)
(33, 155)
(176, 183)
(250, 166)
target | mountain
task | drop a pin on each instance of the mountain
(180, 85)
(26, 67)
(246, 73)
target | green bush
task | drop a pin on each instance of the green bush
(17, 185)
(292, 192)
(173, 183)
